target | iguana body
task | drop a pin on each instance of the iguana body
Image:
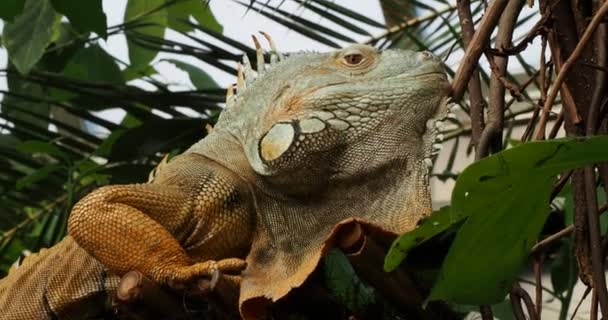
(313, 140)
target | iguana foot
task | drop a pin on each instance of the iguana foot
(226, 268)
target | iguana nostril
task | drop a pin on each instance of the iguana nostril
(276, 141)
(427, 55)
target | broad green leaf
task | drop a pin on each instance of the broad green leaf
(181, 10)
(30, 33)
(149, 18)
(95, 65)
(10, 9)
(66, 42)
(91, 64)
(36, 176)
(199, 78)
(34, 146)
(85, 16)
(344, 283)
(438, 222)
(506, 199)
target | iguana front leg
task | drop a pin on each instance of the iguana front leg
(173, 229)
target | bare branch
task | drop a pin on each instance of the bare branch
(476, 47)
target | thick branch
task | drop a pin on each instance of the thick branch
(492, 134)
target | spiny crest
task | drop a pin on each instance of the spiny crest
(434, 127)
(245, 73)
(154, 173)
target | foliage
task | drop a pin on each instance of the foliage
(55, 146)
(344, 282)
(504, 201)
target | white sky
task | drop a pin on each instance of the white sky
(240, 25)
(237, 25)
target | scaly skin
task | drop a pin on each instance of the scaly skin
(313, 140)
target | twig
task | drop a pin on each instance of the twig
(500, 73)
(517, 295)
(543, 70)
(545, 289)
(366, 254)
(9, 234)
(504, 37)
(541, 245)
(594, 302)
(567, 100)
(538, 29)
(539, 284)
(475, 49)
(409, 23)
(598, 94)
(580, 302)
(597, 261)
(597, 19)
(474, 86)
(558, 124)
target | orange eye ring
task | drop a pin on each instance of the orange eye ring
(353, 59)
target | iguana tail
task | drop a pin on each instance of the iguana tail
(63, 282)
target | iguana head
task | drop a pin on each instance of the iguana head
(317, 117)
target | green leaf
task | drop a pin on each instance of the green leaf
(66, 42)
(344, 283)
(85, 16)
(135, 72)
(182, 10)
(506, 197)
(86, 172)
(10, 9)
(36, 176)
(30, 33)
(34, 147)
(98, 179)
(438, 222)
(199, 78)
(105, 148)
(145, 12)
(91, 64)
(94, 64)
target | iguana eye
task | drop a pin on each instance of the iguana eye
(353, 59)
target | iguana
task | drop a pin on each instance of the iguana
(307, 141)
